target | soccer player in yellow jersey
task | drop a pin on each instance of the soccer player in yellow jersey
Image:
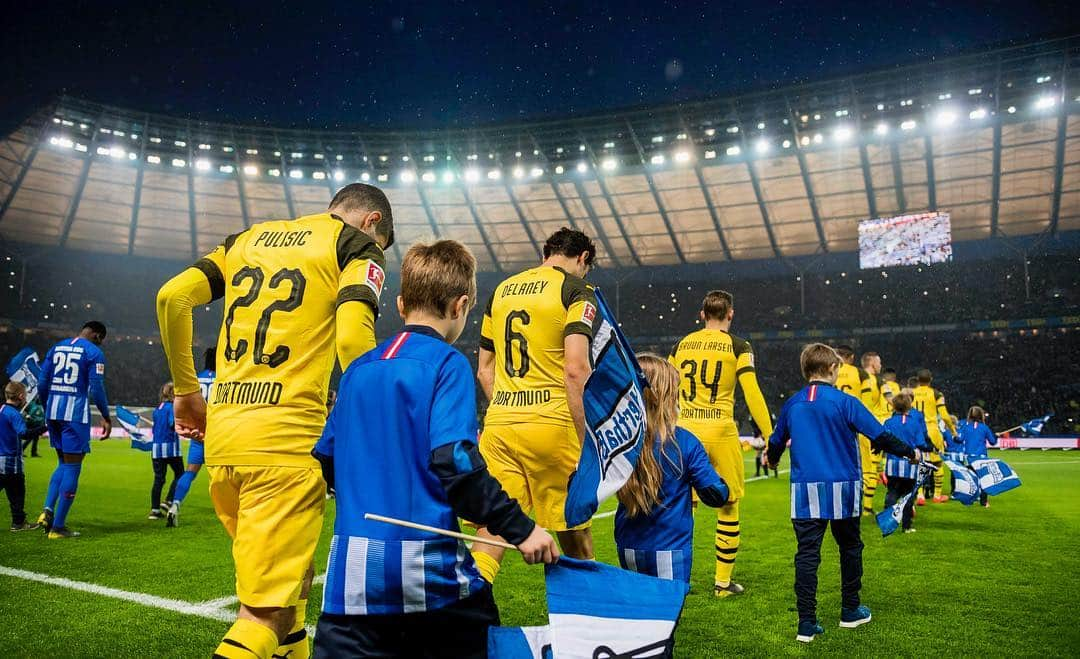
(889, 387)
(533, 364)
(710, 362)
(855, 381)
(293, 289)
(931, 403)
(873, 396)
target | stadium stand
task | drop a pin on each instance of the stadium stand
(760, 194)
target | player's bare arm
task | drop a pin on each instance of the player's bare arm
(485, 371)
(577, 369)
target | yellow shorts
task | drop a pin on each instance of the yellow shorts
(274, 516)
(533, 462)
(725, 451)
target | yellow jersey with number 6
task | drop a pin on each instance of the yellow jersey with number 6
(282, 282)
(526, 320)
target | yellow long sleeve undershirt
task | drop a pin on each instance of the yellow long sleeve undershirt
(175, 302)
(755, 401)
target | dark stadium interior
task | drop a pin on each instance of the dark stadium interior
(760, 194)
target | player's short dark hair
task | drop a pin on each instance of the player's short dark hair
(97, 327)
(888, 371)
(210, 359)
(817, 360)
(924, 376)
(366, 199)
(434, 276)
(912, 382)
(572, 243)
(846, 352)
(866, 357)
(717, 304)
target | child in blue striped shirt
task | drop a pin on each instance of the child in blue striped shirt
(12, 427)
(826, 481)
(903, 473)
(654, 524)
(165, 452)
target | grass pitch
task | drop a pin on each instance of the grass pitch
(971, 582)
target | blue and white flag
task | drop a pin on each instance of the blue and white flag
(141, 438)
(966, 488)
(25, 367)
(889, 520)
(519, 642)
(1035, 426)
(598, 610)
(995, 476)
(614, 421)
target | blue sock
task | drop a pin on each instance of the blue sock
(68, 487)
(183, 485)
(54, 486)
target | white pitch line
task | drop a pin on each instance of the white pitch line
(611, 513)
(1052, 462)
(176, 606)
(220, 602)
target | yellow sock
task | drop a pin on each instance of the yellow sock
(295, 645)
(488, 566)
(870, 480)
(939, 480)
(727, 542)
(247, 639)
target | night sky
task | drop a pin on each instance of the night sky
(419, 63)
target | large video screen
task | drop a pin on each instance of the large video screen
(905, 240)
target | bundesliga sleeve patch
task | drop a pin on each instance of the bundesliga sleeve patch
(588, 313)
(100, 368)
(750, 357)
(375, 278)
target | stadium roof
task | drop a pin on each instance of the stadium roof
(992, 138)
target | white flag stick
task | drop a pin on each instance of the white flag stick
(432, 529)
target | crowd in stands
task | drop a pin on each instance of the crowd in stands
(1015, 376)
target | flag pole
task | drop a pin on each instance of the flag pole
(432, 529)
(1008, 430)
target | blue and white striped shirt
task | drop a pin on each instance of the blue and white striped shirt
(913, 432)
(396, 404)
(73, 372)
(166, 441)
(12, 428)
(826, 471)
(672, 564)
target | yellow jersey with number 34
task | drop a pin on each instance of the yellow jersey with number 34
(526, 320)
(710, 363)
(282, 282)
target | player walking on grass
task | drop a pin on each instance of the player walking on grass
(12, 478)
(711, 361)
(196, 455)
(826, 478)
(402, 442)
(855, 381)
(293, 289)
(931, 403)
(875, 401)
(534, 361)
(165, 452)
(73, 373)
